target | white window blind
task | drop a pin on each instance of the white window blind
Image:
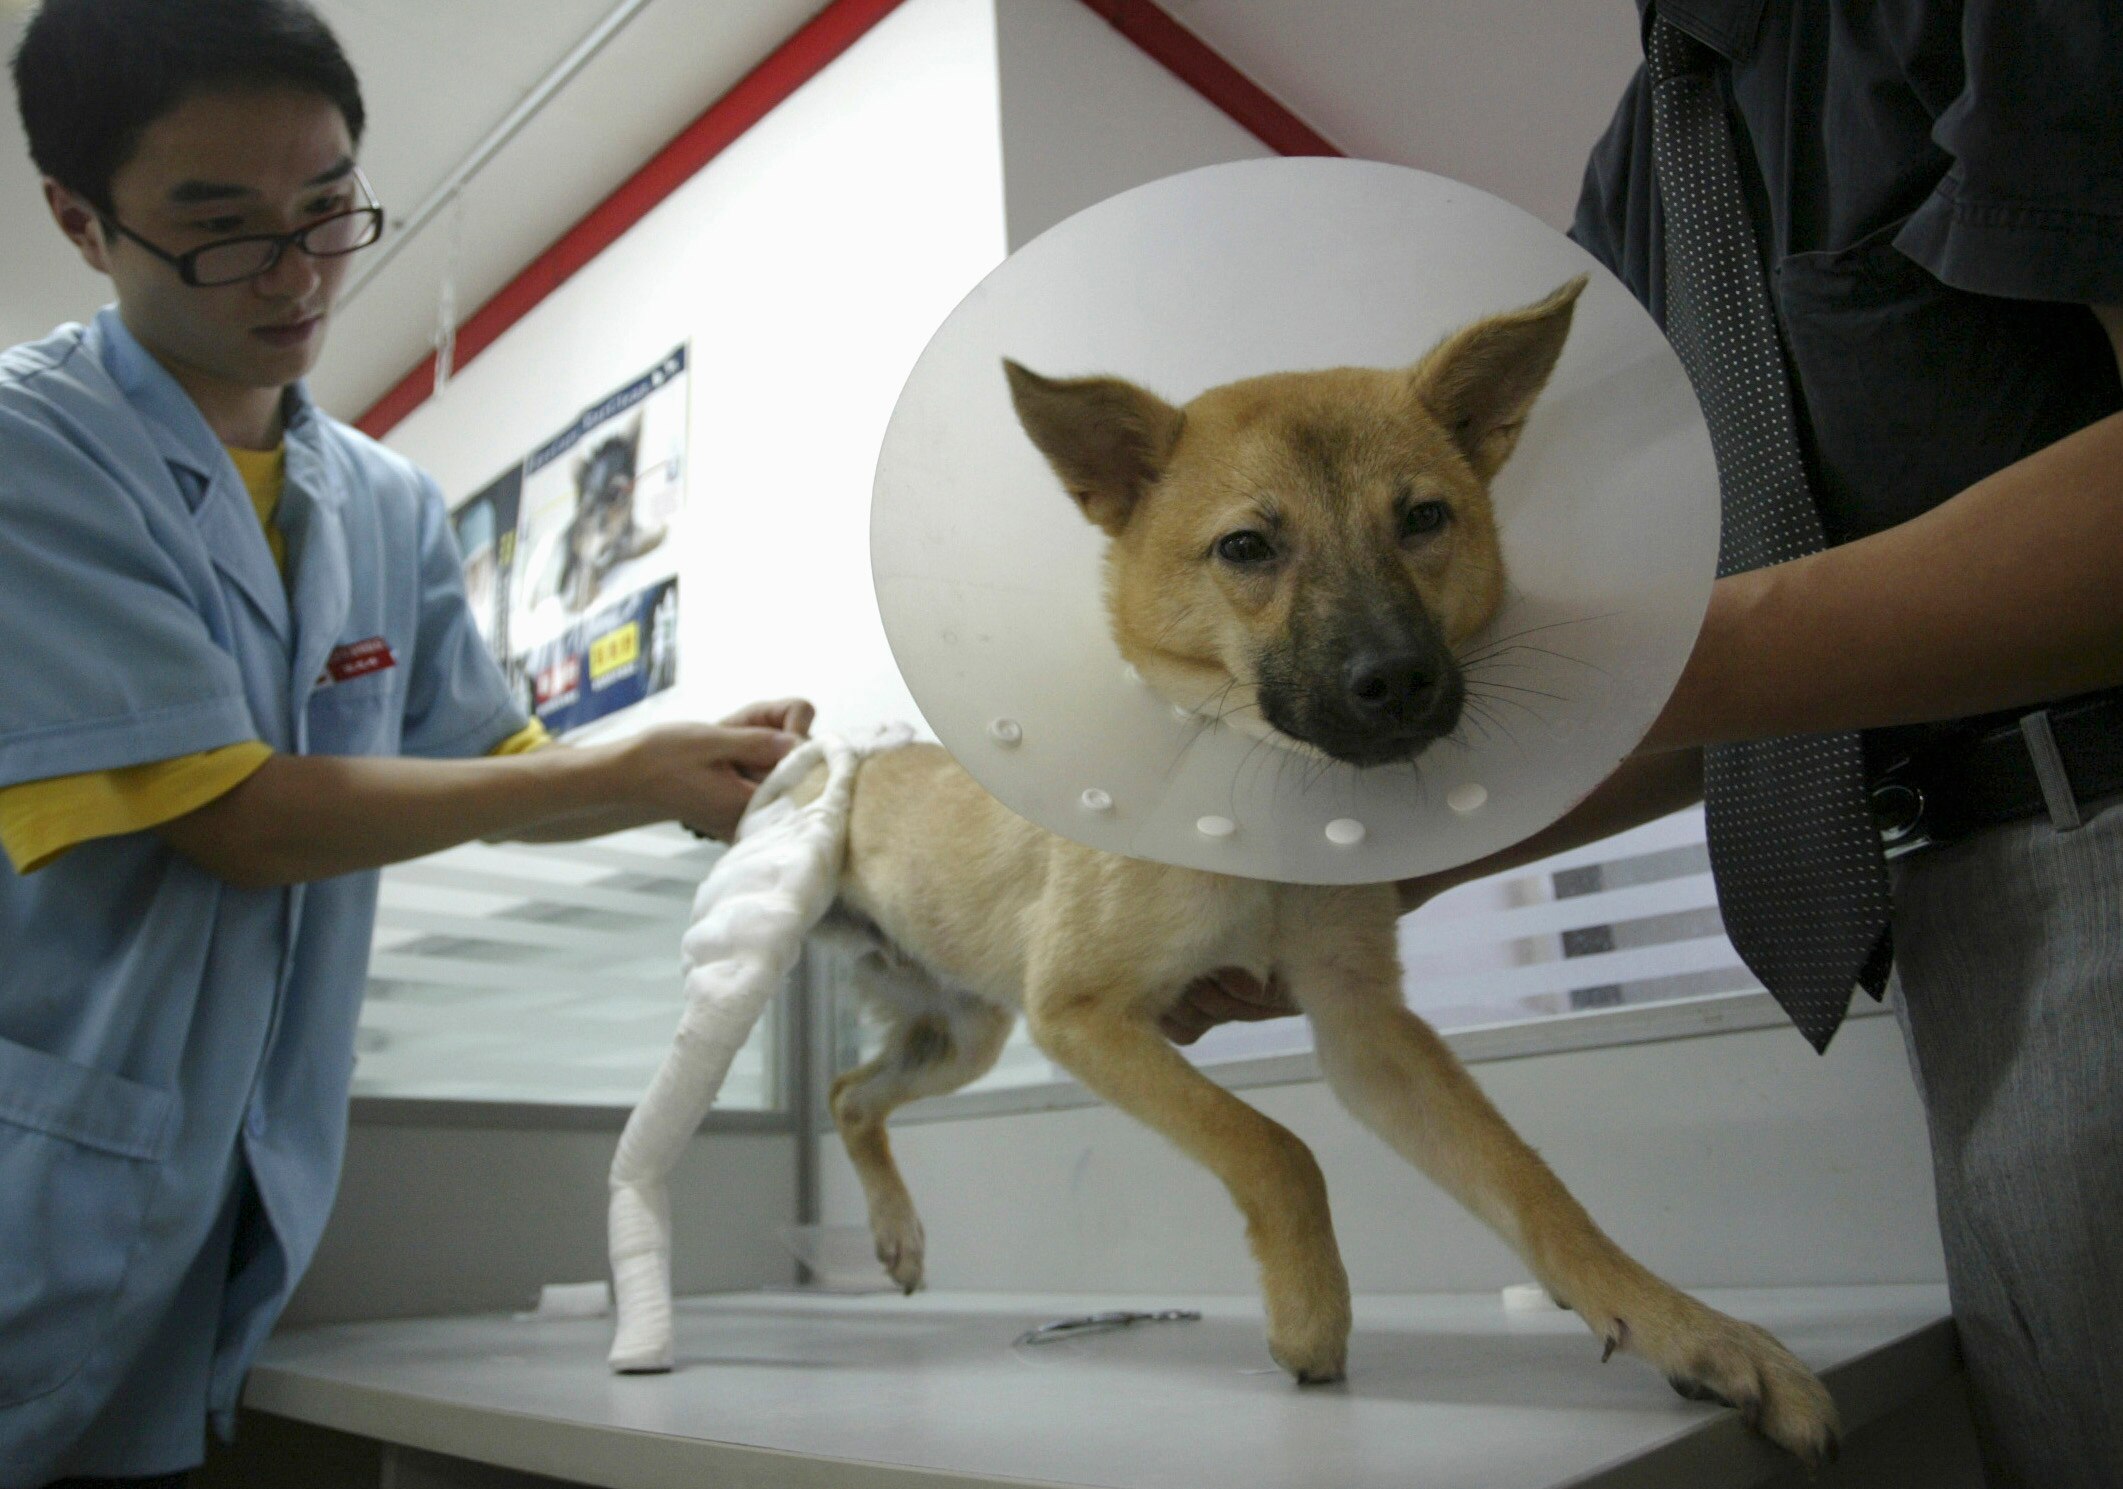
(1630, 920)
(541, 974)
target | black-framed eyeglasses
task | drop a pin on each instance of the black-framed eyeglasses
(228, 261)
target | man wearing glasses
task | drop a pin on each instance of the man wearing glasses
(226, 622)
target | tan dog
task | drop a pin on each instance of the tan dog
(1312, 546)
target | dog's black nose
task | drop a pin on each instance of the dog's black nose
(1391, 686)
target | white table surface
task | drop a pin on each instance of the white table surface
(786, 1389)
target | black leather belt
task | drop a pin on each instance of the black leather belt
(2052, 761)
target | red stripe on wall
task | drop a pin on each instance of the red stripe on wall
(795, 62)
(1191, 60)
(799, 59)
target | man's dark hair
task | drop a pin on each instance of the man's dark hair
(92, 75)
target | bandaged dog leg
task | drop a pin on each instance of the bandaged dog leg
(749, 920)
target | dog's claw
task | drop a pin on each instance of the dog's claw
(899, 1249)
(1695, 1390)
(1616, 1340)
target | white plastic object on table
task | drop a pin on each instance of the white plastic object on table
(989, 578)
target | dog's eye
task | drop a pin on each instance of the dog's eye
(1424, 517)
(1244, 547)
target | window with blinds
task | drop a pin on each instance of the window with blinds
(551, 974)
(1631, 920)
(546, 974)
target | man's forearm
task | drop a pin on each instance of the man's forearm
(302, 817)
(571, 828)
(1642, 790)
(2010, 593)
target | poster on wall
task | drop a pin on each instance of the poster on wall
(591, 603)
(486, 537)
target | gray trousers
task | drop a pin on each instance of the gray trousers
(2009, 956)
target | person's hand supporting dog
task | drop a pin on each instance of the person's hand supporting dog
(303, 817)
(1230, 995)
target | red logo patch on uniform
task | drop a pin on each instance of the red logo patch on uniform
(357, 659)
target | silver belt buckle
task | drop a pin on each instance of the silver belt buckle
(1898, 812)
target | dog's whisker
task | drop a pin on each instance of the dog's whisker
(1503, 728)
(1194, 737)
(1210, 700)
(1558, 624)
(1490, 682)
(1486, 659)
(1493, 645)
(1260, 754)
(1505, 649)
(1469, 717)
(1518, 703)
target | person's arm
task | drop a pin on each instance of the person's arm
(302, 817)
(788, 715)
(2007, 594)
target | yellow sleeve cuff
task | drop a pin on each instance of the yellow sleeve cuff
(530, 737)
(39, 820)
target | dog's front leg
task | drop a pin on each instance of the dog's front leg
(1101, 1033)
(1393, 1071)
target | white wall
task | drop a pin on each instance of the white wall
(1086, 114)
(1507, 95)
(442, 1217)
(808, 265)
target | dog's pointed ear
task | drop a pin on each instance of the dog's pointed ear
(1107, 440)
(1480, 382)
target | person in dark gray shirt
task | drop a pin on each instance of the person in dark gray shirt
(1937, 194)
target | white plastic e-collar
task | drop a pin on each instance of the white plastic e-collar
(989, 580)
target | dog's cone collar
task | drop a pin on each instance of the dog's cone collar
(989, 577)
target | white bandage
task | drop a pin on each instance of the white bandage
(749, 921)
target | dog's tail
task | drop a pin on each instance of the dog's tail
(749, 921)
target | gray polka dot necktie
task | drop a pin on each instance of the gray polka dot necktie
(1801, 880)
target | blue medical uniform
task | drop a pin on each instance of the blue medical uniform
(175, 1052)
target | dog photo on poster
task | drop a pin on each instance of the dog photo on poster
(485, 524)
(592, 606)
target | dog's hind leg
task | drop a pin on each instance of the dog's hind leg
(1110, 1042)
(926, 1052)
(1393, 1071)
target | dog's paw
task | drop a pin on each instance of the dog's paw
(1711, 1357)
(900, 1245)
(1311, 1343)
(1317, 1365)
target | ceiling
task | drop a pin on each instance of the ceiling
(1504, 93)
